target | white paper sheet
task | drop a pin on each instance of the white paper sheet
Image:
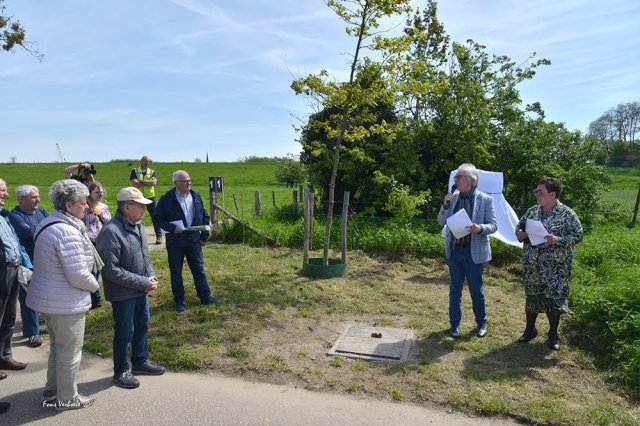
(458, 223)
(536, 231)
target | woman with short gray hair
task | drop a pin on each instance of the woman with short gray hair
(61, 287)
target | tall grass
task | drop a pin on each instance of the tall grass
(606, 301)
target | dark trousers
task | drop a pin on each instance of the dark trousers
(193, 253)
(30, 318)
(131, 324)
(151, 208)
(8, 302)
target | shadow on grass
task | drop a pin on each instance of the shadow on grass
(510, 361)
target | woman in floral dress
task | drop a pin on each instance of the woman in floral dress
(547, 266)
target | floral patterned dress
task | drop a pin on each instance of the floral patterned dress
(547, 269)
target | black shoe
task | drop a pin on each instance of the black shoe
(528, 336)
(180, 307)
(126, 380)
(158, 240)
(4, 407)
(482, 330)
(211, 301)
(554, 343)
(454, 332)
(148, 368)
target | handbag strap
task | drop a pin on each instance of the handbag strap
(35, 237)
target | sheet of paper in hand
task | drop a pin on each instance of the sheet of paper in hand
(458, 223)
(536, 232)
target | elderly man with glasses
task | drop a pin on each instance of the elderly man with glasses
(25, 218)
(466, 255)
(179, 209)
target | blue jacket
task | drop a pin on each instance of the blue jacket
(484, 215)
(25, 226)
(26, 261)
(169, 210)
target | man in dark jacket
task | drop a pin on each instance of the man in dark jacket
(178, 210)
(128, 277)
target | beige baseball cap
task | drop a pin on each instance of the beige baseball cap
(132, 194)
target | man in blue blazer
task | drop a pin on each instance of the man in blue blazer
(180, 208)
(466, 255)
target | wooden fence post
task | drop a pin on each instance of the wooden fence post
(235, 203)
(307, 226)
(273, 197)
(294, 201)
(258, 204)
(343, 226)
(213, 201)
(635, 209)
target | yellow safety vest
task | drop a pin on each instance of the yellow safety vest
(147, 191)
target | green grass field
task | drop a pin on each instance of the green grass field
(241, 181)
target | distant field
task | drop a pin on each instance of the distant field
(624, 187)
(240, 179)
(624, 177)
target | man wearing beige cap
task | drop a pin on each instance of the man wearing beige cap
(128, 278)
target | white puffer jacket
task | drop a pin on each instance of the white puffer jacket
(62, 281)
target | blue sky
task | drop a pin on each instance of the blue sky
(177, 79)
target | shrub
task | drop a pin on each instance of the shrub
(605, 299)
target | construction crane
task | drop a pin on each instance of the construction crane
(60, 157)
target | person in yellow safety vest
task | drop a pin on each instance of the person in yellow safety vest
(144, 178)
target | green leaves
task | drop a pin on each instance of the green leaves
(12, 34)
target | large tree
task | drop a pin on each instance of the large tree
(616, 132)
(350, 104)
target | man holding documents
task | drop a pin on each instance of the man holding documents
(181, 213)
(549, 232)
(470, 218)
(128, 278)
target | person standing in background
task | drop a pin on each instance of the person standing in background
(24, 218)
(95, 217)
(144, 178)
(179, 208)
(85, 173)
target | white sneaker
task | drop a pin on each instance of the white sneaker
(78, 402)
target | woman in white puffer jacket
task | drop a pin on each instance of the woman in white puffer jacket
(61, 287)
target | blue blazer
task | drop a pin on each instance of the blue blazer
(484, 214)
(169, 210)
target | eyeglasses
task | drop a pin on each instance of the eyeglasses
(460, 176)
(539, 192)
(185, 181)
